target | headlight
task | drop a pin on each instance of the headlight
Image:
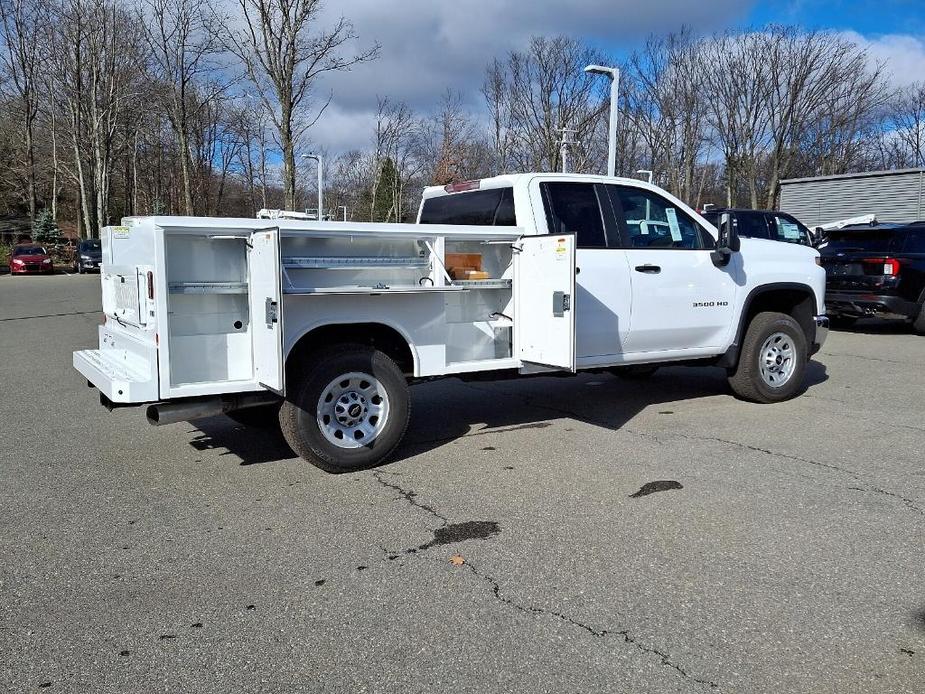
(17, 262)
(85, 257)
(47, 261)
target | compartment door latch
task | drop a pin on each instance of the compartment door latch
(561, 302)
(272, 311)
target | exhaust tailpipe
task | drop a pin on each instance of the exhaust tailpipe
(164, 413)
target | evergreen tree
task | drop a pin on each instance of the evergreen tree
(385, 192)
(45, 228)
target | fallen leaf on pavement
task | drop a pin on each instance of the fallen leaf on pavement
(457, 560)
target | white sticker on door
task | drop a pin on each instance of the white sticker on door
(673, 224)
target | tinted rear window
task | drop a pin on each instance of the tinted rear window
(492, 207)
(859, 241)
(915, 241)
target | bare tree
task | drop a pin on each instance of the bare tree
(667, 106)
(97, 62)
(536, 93)
(284, 54)
(22, 33)
(183, 47)
(822, 86)
(907, 116)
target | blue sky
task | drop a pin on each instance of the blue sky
(869, 17)
(429, 46)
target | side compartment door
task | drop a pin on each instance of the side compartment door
(544, 274)
(265, 296)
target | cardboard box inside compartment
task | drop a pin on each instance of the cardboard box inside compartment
(465, 266)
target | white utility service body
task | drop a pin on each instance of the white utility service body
(213, 310)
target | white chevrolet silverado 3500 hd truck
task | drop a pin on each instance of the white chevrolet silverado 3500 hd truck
(319, 327)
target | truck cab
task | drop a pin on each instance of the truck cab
(648, 287)
(320, 327)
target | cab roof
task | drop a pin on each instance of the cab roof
(511, 180)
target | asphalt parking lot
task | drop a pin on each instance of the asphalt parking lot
(784, 552)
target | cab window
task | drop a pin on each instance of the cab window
(785, 228)
(574, 208)
(491, 207)
(650, 221)
(752, 225)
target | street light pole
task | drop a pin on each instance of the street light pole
(614, 75)
(318, 158)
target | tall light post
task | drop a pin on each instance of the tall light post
(614, 75)
(318, 158)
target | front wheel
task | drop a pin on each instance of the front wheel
(773, 359)
(348, 411)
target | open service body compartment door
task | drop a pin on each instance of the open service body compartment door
(266, 309)
(544, 273)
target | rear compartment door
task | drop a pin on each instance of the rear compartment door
(265, 293)
(544, 321)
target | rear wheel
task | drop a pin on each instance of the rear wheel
(773, 359)
(349, 410)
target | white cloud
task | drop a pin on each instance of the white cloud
(429, 46)
(902, 54)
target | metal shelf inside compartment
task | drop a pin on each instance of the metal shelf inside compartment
(370, 291)
(483, 284)
(335, 262)
(207, 287)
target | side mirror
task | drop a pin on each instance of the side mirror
(727, 241)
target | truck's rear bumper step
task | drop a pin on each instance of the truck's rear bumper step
(115, 378)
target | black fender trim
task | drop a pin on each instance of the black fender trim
(730, 359)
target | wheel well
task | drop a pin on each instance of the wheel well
(377, 335)
(797, 302)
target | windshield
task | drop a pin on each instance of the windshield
(859, 241)
(29, 250)
(91, 245)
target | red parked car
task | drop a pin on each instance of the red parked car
(30, 259)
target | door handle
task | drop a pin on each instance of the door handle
(650, 269)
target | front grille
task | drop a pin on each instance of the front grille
(33, 267)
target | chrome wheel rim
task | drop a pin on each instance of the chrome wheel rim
(777, 359)
(353, 410)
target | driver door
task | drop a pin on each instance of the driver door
(681, 300)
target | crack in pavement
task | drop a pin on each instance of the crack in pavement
(410, 496)
(598, 633)
(50, 315)
(911, 504)
(869, 419)
(860, 356)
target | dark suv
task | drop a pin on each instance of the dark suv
(764, 224)
(875, 271)
(89, 256)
